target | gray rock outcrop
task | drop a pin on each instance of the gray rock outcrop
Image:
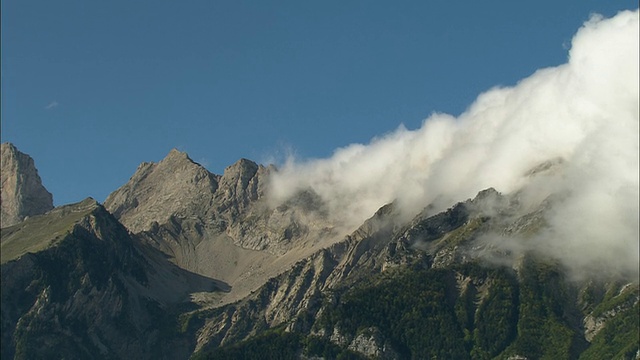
(176, 186)
(22, 192)
(220, 226)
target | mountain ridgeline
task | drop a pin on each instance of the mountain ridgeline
(181, 263)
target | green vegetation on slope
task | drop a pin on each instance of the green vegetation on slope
(543, 329)
(278, 344)
(412, 309)
(465, 311)
(494, 324)
(618, 339)
(40, 232)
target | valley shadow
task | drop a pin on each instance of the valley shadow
(193, 282)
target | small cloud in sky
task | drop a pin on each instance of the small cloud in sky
(51, 105)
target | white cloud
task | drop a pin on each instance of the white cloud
(51, 105)
(585, 111)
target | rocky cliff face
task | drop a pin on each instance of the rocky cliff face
(220, 226)
(22, 193)
(174, 187)
(362, 294)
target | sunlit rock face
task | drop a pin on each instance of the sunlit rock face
(220, 226)
(22, 191)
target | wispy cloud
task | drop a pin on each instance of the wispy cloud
(51, 105)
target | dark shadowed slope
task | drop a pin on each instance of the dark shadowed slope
(75, 284)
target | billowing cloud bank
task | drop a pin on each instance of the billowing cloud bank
(585, 112)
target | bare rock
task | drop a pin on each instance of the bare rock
(23, 194)
(370, 343)
(176, 186)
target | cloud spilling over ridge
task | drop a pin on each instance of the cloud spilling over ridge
(585, 111)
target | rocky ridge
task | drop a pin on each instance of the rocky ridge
(85, 286)
(220, 226)
(445, 245)
(21, 193)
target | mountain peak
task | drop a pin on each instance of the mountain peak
(176, 151)
(157, 191)
(23, 194)
(242, 168)
(7, 146)
(178, 155)
(176, 158)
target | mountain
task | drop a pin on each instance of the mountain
(22, 192)
(182, 263)
(75, 284)
(426, 290)
(220, 226)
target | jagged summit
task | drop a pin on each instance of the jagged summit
(177, 153)
(174, 186)
(22, 192)
(177, 156)
(238, 175)
(213, 224)
(179, 187)
(241, 183)
(241, 165)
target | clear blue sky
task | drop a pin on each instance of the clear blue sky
(92, 88)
